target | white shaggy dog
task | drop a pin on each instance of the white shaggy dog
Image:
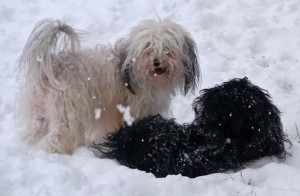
(70, 95)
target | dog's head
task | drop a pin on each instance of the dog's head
(161, 54)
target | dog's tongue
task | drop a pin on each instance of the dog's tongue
(159, 70)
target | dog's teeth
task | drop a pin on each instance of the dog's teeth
(97, 113)
(155, 74)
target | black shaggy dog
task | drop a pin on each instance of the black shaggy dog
(234, 123)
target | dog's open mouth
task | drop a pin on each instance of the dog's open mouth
(159, 70)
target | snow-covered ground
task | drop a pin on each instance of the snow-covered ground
(259, 39)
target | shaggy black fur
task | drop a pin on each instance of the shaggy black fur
(153, 144)
(234, 123)
(245, 114)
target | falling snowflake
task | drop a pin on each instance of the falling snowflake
(228, 140)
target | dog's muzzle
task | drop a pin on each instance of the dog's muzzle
(156, 62)
(158, 69)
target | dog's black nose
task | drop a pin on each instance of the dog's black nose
(156, 63)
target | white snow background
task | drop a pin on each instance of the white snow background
(259, 39)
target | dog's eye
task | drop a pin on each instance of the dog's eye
(148, 52)
(196, 110)
(147, 46)
(167, 50)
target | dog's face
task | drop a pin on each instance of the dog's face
(161, 54)
(158, 67)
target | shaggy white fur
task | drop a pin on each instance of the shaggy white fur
(69, 95)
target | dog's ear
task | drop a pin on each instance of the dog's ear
(192, 72)
(125, 64)
(126, 75)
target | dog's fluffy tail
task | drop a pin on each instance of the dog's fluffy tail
(49, 41)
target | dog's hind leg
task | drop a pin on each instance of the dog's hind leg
(31, 101)
(65, 131)
(61, 140)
